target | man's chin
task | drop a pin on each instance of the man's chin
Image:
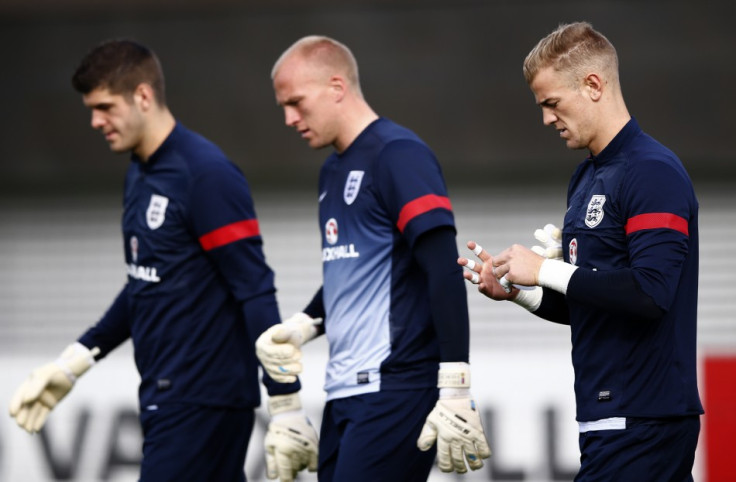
(316, 144)
(574, 145)
(117, 149)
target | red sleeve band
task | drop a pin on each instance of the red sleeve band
(230, 233)
(421, 205)
(657, 221)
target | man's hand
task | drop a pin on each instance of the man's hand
(291, 442)
(455, 423)
(278, 348)
(522, 266)
(490, 279)
(48, 385)
(519, 264)
(483, 274)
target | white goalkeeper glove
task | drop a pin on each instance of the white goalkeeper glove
(551, 238)
(291, 442)
(48, 384)
(455, 423)
(279, 347)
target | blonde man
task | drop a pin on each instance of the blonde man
(628, 281)
(393, 301)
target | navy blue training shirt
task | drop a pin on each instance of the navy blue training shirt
(632, 228)
(390, 317)
(199, 291)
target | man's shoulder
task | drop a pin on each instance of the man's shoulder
(195, 145)
(389, 131)
(648, 158)
(201, 155)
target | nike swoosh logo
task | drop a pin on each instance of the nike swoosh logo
(322, 196)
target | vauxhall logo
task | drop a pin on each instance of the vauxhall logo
(333, 252)
(143, 273)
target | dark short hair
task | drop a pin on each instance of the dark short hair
(120, 65)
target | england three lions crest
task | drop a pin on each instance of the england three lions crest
(156, 212)
(594, 214)
(352, 186)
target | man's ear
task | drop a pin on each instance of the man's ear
(594, 85)
(144, 96)
(338, 87)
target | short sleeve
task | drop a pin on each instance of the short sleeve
(412, 186)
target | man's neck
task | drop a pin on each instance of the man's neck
(355, 121)
(614, 119)
(159, 128)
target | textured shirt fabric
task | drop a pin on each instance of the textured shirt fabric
(376, 199)
(632, 213)
(199, 291)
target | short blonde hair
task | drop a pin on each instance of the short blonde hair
(574, 49)
(324, 52)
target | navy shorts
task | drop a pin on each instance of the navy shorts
(646, 450)
(373, 437)
(196, 443)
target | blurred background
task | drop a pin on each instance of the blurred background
(449, 70)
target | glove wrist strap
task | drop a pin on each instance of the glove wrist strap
(454, 375)
(76, 359)
(454, 393)
(284, 403)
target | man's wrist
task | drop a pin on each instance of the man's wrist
(454, 375)
(454, 393)
(278, 404)
(76, 359)
(555, 274)
(529, 299)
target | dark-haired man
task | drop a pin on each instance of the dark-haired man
(198, 294)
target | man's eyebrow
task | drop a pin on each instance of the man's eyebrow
(100, 105)
(547, 102)
(290, 100)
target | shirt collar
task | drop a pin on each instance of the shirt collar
(624, 136)
(165, 146)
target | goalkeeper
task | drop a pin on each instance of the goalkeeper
(627, 283)
(198, 292)
(393, 299)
